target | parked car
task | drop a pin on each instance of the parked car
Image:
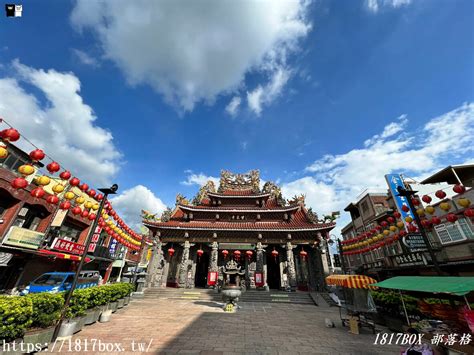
(62, 281)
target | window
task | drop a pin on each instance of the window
(69, 232)
(365, 207)
(379, 208)
(30, 217)
(454, 232)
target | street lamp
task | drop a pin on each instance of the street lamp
(106, 191)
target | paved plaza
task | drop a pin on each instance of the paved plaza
(201, 327)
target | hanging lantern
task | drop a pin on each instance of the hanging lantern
(91, 216)
(396, 214)
(65, 175)
(393, 228)
(58, 188)
(84, 213)
(274, 254)
(249, 254)
(84, 187)
(38, 192)
(88, 205)
(390, 220)
(91, 193)
(76, 210)
(19, 183)
(53, 167)
(440, 194)
(386, 232)
(429, 209)
(37, 155)
(426, 223)
(199, 253)
(95, 206)
(426, 199)
(237, 254)
(74, 181)
(225, 253)
(435, 220)
(469, 212)
(412, 228)
(384, 224)
(99, 197)
(408, 219)
(451, 217)
(400, 225)
(69, 195)
(303, 254)
(445, 206)
(52, 199)
(42, 180)
(10, 135)
(420, 212)
(459, 189)
(3, 151)
(415, 202)
(405, 208)
(65, 205)
(26, 169)
(171, 252)
(80, 200)
(464, 202)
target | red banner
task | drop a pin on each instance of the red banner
(259, 279)
(211, 278)
(68, 246)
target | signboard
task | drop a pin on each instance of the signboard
(259, 279)
(411, 259)
(414, 242)
(235, 246)
(23, 238)
(59, 218)
(68, 246)
(394, 181)
(211, 278)
(95, 239)
(113, 247)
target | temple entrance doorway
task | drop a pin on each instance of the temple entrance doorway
(273, 272)
(202, 265)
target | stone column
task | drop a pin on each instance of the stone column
(291, 265)
(156, 265)
(259, 267)
(213, 263)
(183, 266)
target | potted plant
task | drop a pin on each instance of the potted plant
(46, 312)
(130, 288)
(15, 316)
(75, 314)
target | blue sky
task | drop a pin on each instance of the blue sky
(324, 97)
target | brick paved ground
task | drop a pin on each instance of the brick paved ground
(201, 327)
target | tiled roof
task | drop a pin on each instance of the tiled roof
(267, 208)
(237, 193)
(299, 222)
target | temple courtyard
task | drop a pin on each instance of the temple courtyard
(191, 325)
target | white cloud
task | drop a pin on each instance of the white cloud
(192, 52)
(199, 179)
(130, 203)
(261, 96)
(336, 180)
(233, 107)
(64, 127)
(85, 58)
(375, 5)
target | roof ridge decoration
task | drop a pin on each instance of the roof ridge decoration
(271, 188)
(239, 182)
(181, 200)
(203, 192)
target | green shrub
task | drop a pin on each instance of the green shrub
(46, 308)
(16, 316)
(78, 304)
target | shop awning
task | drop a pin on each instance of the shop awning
(351, 281)
(452, 285)
(55, 254)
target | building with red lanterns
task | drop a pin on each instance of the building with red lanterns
(277, 242)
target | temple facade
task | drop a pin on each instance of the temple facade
(279, 243)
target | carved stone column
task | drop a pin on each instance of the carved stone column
(183, 266)
(291, 265)
(213, 264)
(259, 266)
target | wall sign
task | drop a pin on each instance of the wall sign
(415, 242)
(23, 238)
(68, 246)
(411, 259)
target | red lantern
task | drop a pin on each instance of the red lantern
(249, 254)
(396, 214)
(225, 253)
(65, 205)
(53, 167)
(19, 183)
(91, 216)
(38, 192)
(440, 194)
(274, 254)
(426, 223)
(91, 193)
(426, 199)
(415, 202)
(84, 187)
(199, 253)
(171, 252)
(459, 189)
(303, 254)
(52, 199)
(451, 217)
(237, 254)
(402, 233)
(37, 155)
(76, 210)
(469, 212)
(384, 224)
(10, 135)
(435, 221)
(65, 175)
(99, 197)
(74, 181)
(390, 220)
(85, 213)
(405, 208)
(412, 228)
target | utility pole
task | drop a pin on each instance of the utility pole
(107, 191)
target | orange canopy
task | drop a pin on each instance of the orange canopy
(351, 281)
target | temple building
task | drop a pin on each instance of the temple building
(279, 243)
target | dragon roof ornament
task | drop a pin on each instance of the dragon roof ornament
(239, 182)
(202, 193)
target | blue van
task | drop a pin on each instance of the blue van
(54, 282)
